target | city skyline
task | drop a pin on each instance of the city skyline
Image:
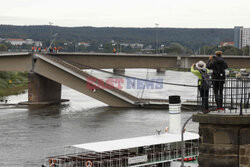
(133, 13)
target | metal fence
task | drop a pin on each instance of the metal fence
(225, 96)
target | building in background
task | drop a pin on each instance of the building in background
(29, 41)
(85, 44)
(226, 44)
(20, 42)
(16, 42)
(237, 36)
(133, 45)
(38, 43)
(245, 37)
(241, 37)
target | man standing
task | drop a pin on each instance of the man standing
(218, 65)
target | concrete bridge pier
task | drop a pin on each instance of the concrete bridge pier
(119, 70)
(161, 70)
(224, 140)
(42, 90)
(178, 62)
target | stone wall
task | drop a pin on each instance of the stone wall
(224, 140)
(245, 147)
(218, 146)
(245, 155)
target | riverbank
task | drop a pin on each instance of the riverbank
(13, 83)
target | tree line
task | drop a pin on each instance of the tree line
(187, 37)
(170, 40)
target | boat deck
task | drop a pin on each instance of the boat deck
(131, 152)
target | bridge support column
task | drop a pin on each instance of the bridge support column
(42, 90)
(184, 62)
(119, 70)
(178, 62)
(224, 140)
(161, 70)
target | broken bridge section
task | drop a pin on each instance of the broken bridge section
(64, 73)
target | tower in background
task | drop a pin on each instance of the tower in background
(238, 36)
(245, 37)
(241, 37)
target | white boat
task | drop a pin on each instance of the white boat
(132, 152)
(154, 150)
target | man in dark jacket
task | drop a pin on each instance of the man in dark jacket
(218, 65)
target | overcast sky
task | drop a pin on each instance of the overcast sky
(127, 13)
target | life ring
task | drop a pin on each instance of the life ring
(88, 163)
(52, 162)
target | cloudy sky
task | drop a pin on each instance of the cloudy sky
(127, 13)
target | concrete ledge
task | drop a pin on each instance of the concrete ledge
(221, 119)
(43, 102)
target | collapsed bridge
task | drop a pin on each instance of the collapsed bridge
(47, 72)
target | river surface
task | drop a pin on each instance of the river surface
(28, 135)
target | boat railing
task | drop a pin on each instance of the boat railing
(121, 159)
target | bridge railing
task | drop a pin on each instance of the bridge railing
(230, 96)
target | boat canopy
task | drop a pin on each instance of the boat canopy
(112, 145)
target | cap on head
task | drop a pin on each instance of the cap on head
(218, 53)
(200, 65)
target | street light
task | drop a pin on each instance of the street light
(156, 38)
(50, 34)
(183, 142)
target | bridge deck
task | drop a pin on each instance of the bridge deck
(127, 98)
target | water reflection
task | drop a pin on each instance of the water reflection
(51, 110)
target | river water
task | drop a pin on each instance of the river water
(28, 135)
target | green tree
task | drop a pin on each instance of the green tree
(25, 46)
(191, 38)
(3, 47)
(108, 48)
(227, 50)
(246, 51)
(208, 50)
(231, 50)
(83, 49)
(175, 48)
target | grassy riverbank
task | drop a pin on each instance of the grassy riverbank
(12, 83)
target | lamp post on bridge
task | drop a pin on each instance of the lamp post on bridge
(156, 38)
(50, 34)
